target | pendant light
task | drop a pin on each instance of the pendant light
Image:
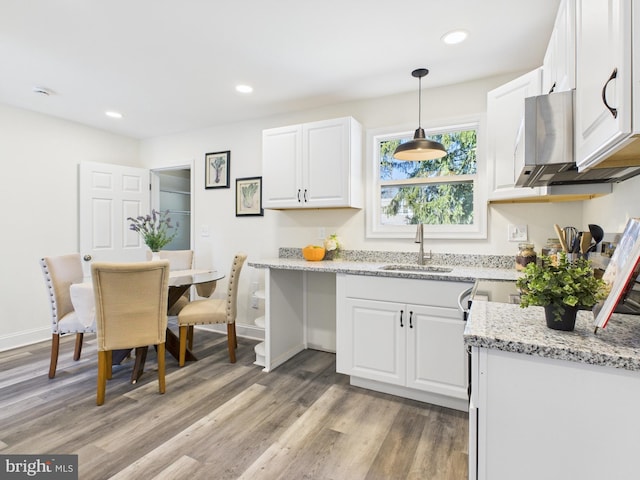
(420, 148)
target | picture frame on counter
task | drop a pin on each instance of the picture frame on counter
(217, 169)
(249, 197)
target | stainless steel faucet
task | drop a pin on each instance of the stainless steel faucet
(420, 239)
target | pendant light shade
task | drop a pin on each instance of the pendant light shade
(420, 148)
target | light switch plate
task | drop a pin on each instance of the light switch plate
(517, 233)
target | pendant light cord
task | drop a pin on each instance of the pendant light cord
(419, 102)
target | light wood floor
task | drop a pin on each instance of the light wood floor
(223, 421)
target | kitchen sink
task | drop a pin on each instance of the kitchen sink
(416, 268)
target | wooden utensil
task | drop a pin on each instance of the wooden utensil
(561, 238)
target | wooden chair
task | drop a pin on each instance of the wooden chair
(215, 310)
(178, 260)
(59, 273)
(131, 312)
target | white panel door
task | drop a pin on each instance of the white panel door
(108, 195)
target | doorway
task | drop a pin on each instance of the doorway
(171, 190)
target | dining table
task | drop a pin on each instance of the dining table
(180, 281)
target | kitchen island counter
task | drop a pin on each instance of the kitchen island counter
(510, 328)
(551, 404)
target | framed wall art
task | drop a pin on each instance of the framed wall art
(217, 169)
(249, 197)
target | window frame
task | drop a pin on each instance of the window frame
(374, 229)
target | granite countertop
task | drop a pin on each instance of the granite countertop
(464, 268)
(510, 328)
(458, 273)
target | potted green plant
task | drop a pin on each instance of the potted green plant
(562, 288)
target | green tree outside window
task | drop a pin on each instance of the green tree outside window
(433, 192)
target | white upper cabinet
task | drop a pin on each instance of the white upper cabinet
(505, 135)
(603, 122)
(313, 165)
(559, 66)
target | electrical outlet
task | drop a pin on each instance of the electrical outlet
(517, 233)
(322, 233)
(204, 230)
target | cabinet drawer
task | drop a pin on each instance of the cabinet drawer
(405, 290)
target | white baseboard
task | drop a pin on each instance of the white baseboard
(244, 331)
(26, 337)
(276, 362)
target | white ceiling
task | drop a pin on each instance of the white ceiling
(172, 65)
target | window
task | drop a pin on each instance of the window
(444, 193)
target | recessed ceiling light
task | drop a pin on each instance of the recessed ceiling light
(244, 88)
(456, 36)
(113, 114)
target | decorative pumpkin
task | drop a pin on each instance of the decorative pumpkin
(313, 253)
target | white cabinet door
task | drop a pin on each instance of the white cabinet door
(603, 50)
(282, 167)
(326, 160)
(558, 69)
(436, 357)
(373, 341)
(505, 135)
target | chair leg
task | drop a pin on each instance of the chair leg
(109, 371)
(190, 337)
(183, 344)
(161, 367)
(103, 362)
(55, 347)
(78, 349)
(138, 367)
(235, 336)
(231, 341)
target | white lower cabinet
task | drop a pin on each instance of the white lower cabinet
(412, 347)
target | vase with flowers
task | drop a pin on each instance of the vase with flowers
(155, 229)
(332, 247)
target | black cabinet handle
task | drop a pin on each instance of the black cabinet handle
(298, 195)
(410, 319)
(614, 111)
(305, 196)
(401, 312)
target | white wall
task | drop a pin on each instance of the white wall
(611, 212)
(40, 155)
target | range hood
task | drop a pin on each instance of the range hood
(548, 146)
